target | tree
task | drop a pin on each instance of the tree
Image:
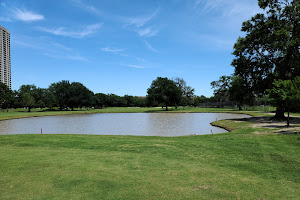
(270, 49)
(100, 100)
(221, 88)
(286, 94)
(61, 91)
(40, 104)
(240, 91)
(6, 96)
(79, 95)
(28, 100)
(164, 91)
(49, 99)
(28, 95)
(187, 91)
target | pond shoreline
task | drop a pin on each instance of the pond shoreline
(143, 124)
(17, 114)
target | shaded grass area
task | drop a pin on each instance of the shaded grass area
(236, 165)
(22, 113)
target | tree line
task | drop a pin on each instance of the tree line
(69, 95)
(63, 94)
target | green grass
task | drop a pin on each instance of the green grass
(247, 163)
(22, 113)
(236, 165)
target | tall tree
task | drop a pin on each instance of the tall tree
(79, 95)
(100, 100)
(164, 91)
(28, 101)
(240, 91)
(6, 96)
(286, 94)
(270, 49)
(61, 91)
(221, 88)
(187, 96)
(28, 95)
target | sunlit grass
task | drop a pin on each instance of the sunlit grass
(105, 167)
(248, 163)
(21, 113)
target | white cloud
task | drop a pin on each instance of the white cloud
(147, 32)
(63, 31)
(141, 21)
(66, 56)
(211, 42)
(135, 66)
(228, 8)
(149, 46)
(27, 16)
(84, 5)
(48, 48)
(113, 50)
(5, 19)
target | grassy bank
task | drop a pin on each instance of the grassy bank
(248, 163)
(22, 113)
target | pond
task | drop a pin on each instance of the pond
(140, 124)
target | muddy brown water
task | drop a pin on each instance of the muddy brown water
(139, 124)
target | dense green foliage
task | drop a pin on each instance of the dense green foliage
(286, 94)
(66, 95)
(164, 91)
(271, 48)
(269, 51)
(221, 88)
(6, 96)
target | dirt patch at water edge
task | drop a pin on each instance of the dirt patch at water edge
(278, 125)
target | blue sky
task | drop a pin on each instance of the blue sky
(118, 46)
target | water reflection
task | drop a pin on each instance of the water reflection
(146, 124)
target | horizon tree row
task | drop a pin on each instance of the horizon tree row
(64, 94)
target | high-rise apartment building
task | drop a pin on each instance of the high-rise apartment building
(5, 72)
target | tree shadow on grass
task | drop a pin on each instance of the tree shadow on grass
(278, 125)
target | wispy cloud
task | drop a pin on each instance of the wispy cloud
(227, 8)
(48, 48)
(149, 46)
(86, 6)
(63, 31)
(211, 42)
(135, 66)
(27, 16)
(147, 32)
(5, 19)
(138, 24)
(113, 50)
(69, 57)
(142, 20)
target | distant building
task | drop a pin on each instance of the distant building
(5, 72)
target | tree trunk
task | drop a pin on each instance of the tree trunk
(280, 112)
(29, 108)
(240, 108)
(288, 119)
(166, 107)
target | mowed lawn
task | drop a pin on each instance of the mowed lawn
(248, 163)
(22, 113)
